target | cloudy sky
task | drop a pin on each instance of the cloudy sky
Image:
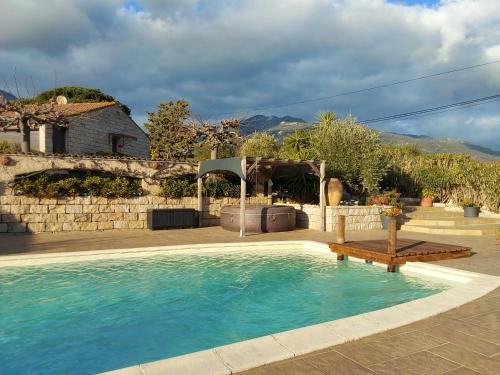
(243, 57)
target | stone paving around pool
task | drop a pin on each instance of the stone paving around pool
(465, 340)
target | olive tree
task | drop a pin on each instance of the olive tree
(352, 151)
(260, 145)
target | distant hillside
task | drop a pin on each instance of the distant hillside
(282, 126)
(446, 145)
(262, 123)
(7, 95)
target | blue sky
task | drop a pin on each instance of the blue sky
(229, 57)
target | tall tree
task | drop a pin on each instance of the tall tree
(76, 94)
(171, 136)
(223, 134)
(352, 151)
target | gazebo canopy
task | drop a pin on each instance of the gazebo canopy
(243, 166)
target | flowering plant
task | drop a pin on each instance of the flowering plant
(392, 212)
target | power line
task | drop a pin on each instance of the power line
(453, 106)
(305, 101)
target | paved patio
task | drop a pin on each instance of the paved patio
(465, 340)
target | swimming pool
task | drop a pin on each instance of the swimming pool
(93, 316)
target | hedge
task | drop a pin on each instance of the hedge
(52, 186)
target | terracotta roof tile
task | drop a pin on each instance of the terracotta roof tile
(75, 109)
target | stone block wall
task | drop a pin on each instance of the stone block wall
(89, 134)
(357, 217)
(20, 214)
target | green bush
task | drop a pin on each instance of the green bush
(7, 147)
(178, 187)
(221, 188)
(175, 187)
(52, 186)
(260, 145)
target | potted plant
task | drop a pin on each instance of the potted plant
(393, 213)
(428, 197)
(470, 208)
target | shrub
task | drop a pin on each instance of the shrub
(178, 187)
(467, 203)
(173, 187)
(426, 193)
(379, 200)
(260, 145)
(221, 188)
(393, 212)
(52, 186)
(7, 147)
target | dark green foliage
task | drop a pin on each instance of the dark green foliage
(202, 151)
(170, 135)
(78, 184)
(186, 186)
(178, 187)
(76, 94)
(298, 181)
(221, 188)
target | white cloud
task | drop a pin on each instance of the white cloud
(227, 55)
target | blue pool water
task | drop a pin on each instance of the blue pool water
(82, 318)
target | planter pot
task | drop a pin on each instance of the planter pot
(471, 211)
(5, 160)
(387, 219)
(334, 192)
(426, 202)
(154, 165)
(498, 241)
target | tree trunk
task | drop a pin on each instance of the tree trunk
(213, 153)
(25, 134)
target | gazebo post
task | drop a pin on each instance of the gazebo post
(243, 196)
(322, 186)
(200, 199)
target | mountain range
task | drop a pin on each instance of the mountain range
(282, 126)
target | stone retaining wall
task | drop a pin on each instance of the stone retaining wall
(357, 217)
(35, 215)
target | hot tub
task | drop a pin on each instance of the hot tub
(259, 218)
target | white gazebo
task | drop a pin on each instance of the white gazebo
(244, 166)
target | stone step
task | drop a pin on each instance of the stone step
(459, 230)
(437, 215)
(451, 221)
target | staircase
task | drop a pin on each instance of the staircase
(435, 220)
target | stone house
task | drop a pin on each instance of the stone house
(92, 128)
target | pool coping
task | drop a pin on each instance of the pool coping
(228, 359)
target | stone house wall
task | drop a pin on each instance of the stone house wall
(91, 133)
(37, 215)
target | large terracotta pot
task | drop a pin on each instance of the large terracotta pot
(426, 202)
(334, 191)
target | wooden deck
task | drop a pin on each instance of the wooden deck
(406, 251)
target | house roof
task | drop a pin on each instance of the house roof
(74, 109)
(70, 109)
